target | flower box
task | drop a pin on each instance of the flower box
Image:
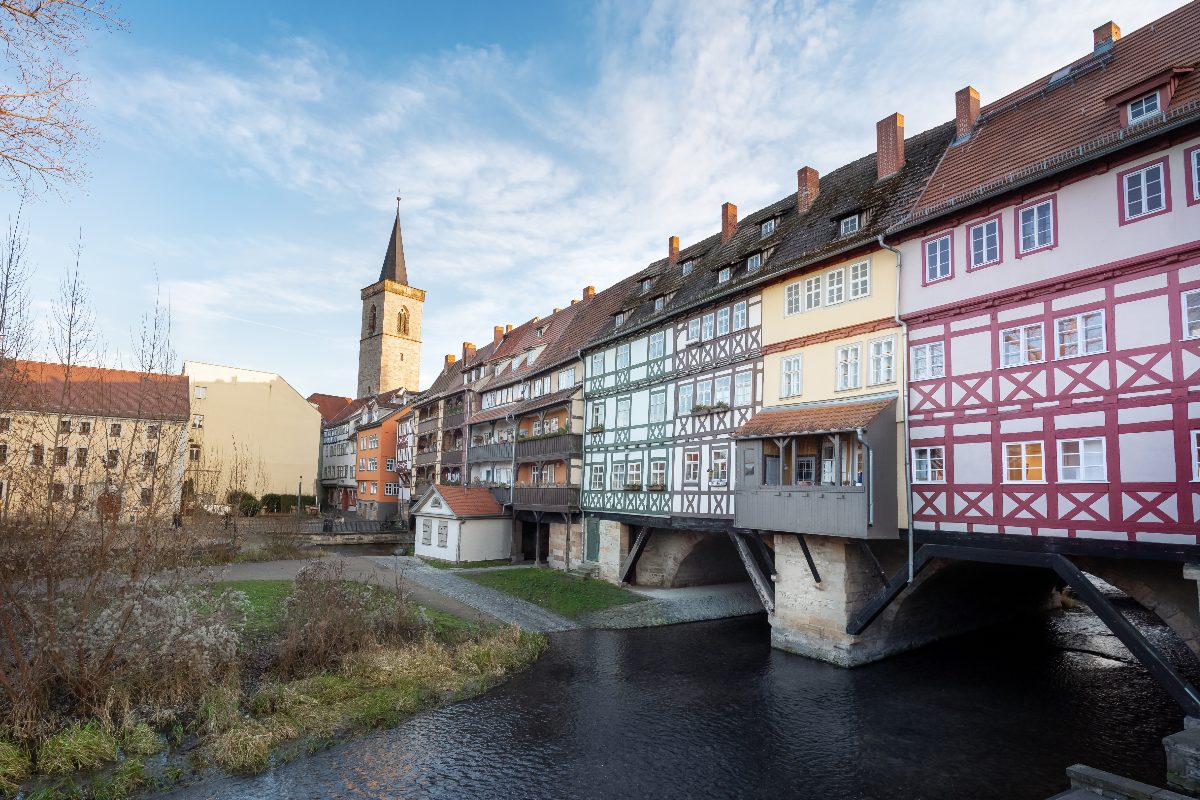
(656, 487)
(596, 429)
(633, 487)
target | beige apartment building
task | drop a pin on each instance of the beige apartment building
(249, 431)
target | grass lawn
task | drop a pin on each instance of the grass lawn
(266, 602)
(437, 562)
(564, 594)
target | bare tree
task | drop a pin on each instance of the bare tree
(41, 130)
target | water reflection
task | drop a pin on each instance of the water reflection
(710, 710)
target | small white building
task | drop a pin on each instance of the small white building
(461, 523)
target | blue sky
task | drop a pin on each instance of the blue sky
(247, 155)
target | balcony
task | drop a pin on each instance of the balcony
(546, 498)
(452, 419)
(426, 458)
(430, 425)
(497, 451)
(822, 510)
(452, 457)
(550, 448)
(419, 490)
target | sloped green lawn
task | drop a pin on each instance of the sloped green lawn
(559, 592)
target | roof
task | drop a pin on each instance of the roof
(55, 388)
(387, 399)
(516, 409)
(468, 501)
(393, 261)
(1069, 116)
(328, 405)
(826, 418)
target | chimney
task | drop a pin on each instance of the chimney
(556, 310)
(507, 329)
(673, 250)
(468, 351)
(728, 221)
(573, 301)
(1105, 34)
(889, 149)
(966, 111)
(450, 359)
(497, 334)
(589, 292)
(808, 186)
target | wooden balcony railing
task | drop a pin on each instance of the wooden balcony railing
(426, 458)
(428, 426)
(497, 451)
(452, 419)
(549, 448)
(546, 498)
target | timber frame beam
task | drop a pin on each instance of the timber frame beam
(635, 552)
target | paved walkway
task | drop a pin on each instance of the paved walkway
(503, 607)
(673, 606)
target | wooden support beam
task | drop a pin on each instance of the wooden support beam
(764, 553)
(866, 548)
(765, 589)
(812, 565)
(635, 552)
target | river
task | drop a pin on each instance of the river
(710, 710)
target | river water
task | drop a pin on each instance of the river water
(710, 710)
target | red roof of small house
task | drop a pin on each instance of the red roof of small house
(1069, 116)
(470, 501)
(53, 388)
(827, 418)
(329, 405)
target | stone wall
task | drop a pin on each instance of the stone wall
(614, 546)
(557, 557)
(680, 558)
(1168, 588)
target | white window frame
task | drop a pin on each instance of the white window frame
(1135, 116)
(660, 302)
(691, 466)
(1083, 466)
(859, 280)
(708, 326)
(743, 388)
(1024, 455)
(623, 356)
(989, 240)
(1023, 339)
(723, 390)
(720, 467)
(723, 321)
(848, 362)
(657, 346)
(618, 318)
(767, 228)
(791, 376)
(597, 477)
(848, 225)
(1136, 183)
(1038, 244)
(566, 378)
(617, 475)
(693, 330)
(1083, 343)
(1189, 297)
(658, 406)
(1195, 440)
(724, 275)
(633, 473)
(704, 393)
(598, 363)
(753, 262)
(597, 414)
(882, 368)
(686, 401)
(739, 315)
(625, 412)
(658, 472)
(939, 258)
(1194, 174)
(686, 267)
(835, 287)
(812, 292)
(793, 299)
(924, 460)
(921, 361)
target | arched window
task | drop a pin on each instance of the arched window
(402, 321)
(372, 321)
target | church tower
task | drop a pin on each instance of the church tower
(389, 347)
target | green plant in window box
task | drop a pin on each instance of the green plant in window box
(720, 406)
(656, 487)
(633, 487)
(596, 429)
(697, 410)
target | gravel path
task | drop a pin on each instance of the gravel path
(503, 607)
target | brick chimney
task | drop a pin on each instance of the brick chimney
(468, 351)
(808, 186)
(589, 292)
(450, 359)
(574, 301)
(966, 111)
(556, 310)
(497, 334)
(728, 221)
(673, 250)
(889, 149)
(1105, 34)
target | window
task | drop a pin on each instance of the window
(691, 466)
(739, 315)
(720, 467)
(151, 431)
(684, 405)
(390, 465)
(704, 393)
(1023, 462)
(597, 415)
(929, 465)
(848, 225)
(721, 389)
(147, 496)
(81, 454)
(112, 459)
(77, 492)
(551, 425)
(64, 426)
(1143, 192)
(766, 229)
(197, 420)
(707, 326)
(618, 475)
(426, 531)
(60, 456)
(443, 534)
(1021, 345)
(1036, 227)
(658, 344)
(566, 378)
(724, 275)
(646, 285)
(928, 361)
(693, 330)
(860, 279)
(806, 469)
(658, 407)
(114, 429)
(1191, 314)
(391, 489)
(37, 455)
(374, 487)
(660, 303)
(883, 356)
(619, 318)
(598, 363)
(742, 388)
(194, 452)
(1079, 334)
(789, 377)
(149, 459)
(85, 428)
(722, 321)
(623, 406)
(753, 262)
(57, 490)
(1143, 107)
(622, 356)
(812, 292)
(937, 258)
(793, 299)
(848, 369)
(5, 424)
(984, 240)
(658, 473)
(1081, 460)
(635, 473)
(201, 392)
(687, 267)
(597, 480)
(3, 454)
(1194, 172)
(835, 287)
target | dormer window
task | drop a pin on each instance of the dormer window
(723, 275)
(660, 303)
(645, 285)
(767, 228)
(1143, 108)
(619, 318)
(687, 267)
(849, 225)
(754, 262)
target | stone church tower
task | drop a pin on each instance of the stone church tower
(389, 347)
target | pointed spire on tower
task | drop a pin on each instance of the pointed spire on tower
(393, 262)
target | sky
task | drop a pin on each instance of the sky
(247, 156)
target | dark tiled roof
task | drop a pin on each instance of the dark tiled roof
(1048, 124)
(524, 407)
(328, 405)
(39, 386)
(386, 399)
(469, 501)
(393, 261)
(812, 419)
(556, 329)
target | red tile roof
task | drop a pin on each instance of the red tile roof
(1052, 122)
(470, 501)
(812, 419)
(328, 405)
(38, 386)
